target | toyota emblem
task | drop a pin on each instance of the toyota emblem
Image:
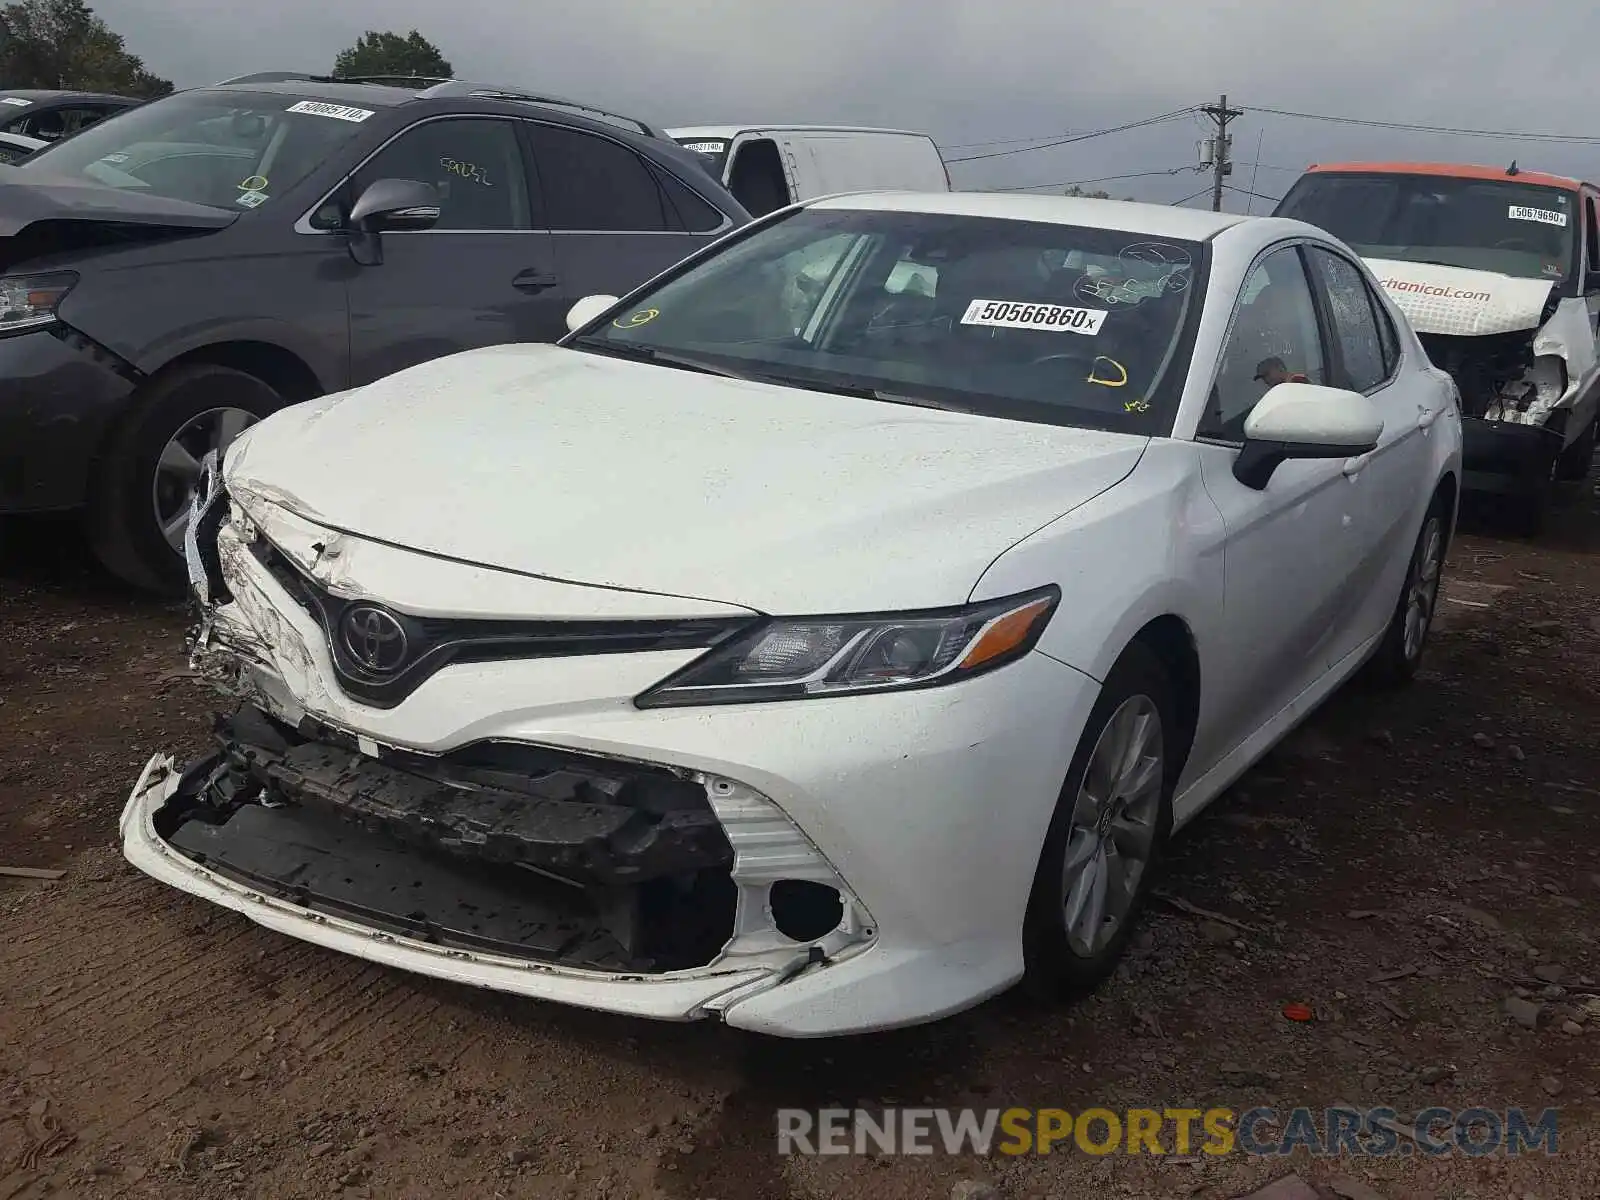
(374, 638)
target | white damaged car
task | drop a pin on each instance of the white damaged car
(1498, 269)
(820, 668)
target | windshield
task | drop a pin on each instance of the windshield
(1483, 224)
(225, 149)
(1057, 324)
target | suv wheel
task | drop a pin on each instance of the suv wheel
(140, 506)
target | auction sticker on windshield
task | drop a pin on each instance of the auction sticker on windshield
(1013, 314)
(18, 101)
(339, 112)
(1544, 216)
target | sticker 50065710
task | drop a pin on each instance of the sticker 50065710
(339, 112)
(1013, 314)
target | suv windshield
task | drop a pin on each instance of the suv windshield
(1057, 324)
(1483, 224)
(226, 149)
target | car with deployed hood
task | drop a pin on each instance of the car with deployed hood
(52, 114)
(819, 660)
(176, 273)
(16, 146)
(1498, 270)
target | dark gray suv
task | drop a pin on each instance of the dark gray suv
(169, 276)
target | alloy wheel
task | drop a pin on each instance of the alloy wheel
(1423, 593)
(177, 471)
(1113, 826)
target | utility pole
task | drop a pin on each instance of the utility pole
(1220, 166)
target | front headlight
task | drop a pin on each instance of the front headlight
(797, 658)
(28, 301)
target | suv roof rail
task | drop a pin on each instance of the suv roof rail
(421, 82)
(466, 88)
(266, 77)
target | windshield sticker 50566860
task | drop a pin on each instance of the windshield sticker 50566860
(1014, 314)
(1545, 216)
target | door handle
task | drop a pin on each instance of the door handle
(1354, 466)
(1426, 416)
(535, 281)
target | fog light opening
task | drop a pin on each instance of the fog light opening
(805, 911)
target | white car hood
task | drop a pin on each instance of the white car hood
(601, 471)
(1455, 300)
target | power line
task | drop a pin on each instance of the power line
(1507, 135)
(1043, 137)
(1079, 137)
(1248, 192)
(1192, 196)
(1028, 187)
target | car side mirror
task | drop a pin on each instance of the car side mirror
(586, 310)
(1304, 420)
(395, 205)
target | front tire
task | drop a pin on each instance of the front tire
(1399, 655)
(1576, 460)
(139, 506)
(1107, 835)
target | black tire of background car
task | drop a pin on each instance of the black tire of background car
(1575, 461)
(1530, 507)
(1389, 667)
(121, 522)
(1054, 971)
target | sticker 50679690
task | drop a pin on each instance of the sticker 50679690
(1013, 314)
(1545, 216)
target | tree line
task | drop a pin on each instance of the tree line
(63, 45)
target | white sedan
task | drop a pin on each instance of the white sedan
(822, 638)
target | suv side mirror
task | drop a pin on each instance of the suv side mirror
(397, 205)
(1304, 420)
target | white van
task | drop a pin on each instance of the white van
(767, 167)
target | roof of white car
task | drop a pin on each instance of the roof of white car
(728, 132)
(1158, 220)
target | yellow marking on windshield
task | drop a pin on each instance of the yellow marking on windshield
(1094, 372)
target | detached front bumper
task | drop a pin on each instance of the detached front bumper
(1506, 457)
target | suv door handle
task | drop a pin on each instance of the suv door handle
(1426, 416)
(1354, 466)
(535, 281)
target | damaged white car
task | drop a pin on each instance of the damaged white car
(1499, 270)
(819, 659)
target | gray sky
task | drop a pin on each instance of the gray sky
(971, 71)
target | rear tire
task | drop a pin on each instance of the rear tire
(1099, 832)
(140, 494)
(1399, 655)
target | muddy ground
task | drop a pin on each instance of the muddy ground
(1405, 865)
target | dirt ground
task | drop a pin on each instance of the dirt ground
(1404, 865)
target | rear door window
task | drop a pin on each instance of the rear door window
(593, 184)
(1355, 322)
